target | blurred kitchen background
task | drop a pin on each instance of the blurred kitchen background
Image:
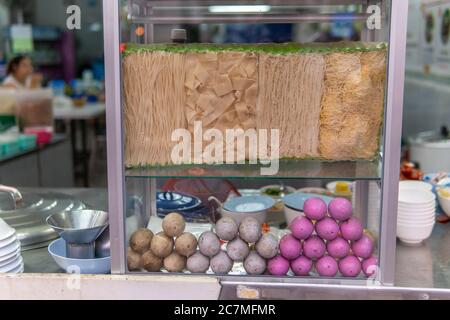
(71, 142)
(70, 149)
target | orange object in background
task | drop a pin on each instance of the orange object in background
(408, 171)
(140, 31)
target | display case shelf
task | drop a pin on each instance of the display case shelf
(148, 22)
(184, 3)
(288, 169)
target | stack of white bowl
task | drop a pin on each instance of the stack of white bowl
(10, 258)
(416, 212)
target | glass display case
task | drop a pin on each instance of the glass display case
(287, 113)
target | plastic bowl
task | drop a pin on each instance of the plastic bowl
(57, 249)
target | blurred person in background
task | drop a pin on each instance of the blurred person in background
(20, 74)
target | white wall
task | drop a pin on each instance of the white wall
(427, 100)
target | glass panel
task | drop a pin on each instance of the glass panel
(213, 198)
(288, 169)
(206, 83)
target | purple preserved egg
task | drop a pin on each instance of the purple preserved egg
(315, 209)
(352, 229)
(340, 209)
(327, 229)
(301, 228)
(327, 266)
(314, 248)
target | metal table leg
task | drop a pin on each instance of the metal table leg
(85, 153)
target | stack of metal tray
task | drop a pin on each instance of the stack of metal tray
(29, 218)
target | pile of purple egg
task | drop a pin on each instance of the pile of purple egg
(328, 239)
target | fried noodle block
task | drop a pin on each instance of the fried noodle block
(352, 105)
(154, 102)
(291, 89)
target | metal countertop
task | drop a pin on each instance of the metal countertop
(426, 266)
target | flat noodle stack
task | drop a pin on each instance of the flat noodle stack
(221, 91)
(327, 103)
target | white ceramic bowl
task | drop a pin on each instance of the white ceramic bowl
(416, 212)
(12, 265)
(415, 184)
(9, 260)
(9, 249)
(422, 226)
(416, 197)
(414, 234)
(422, 222)
(425, 206)
(417, 220)
(416, 217)
(8, 241)
(445, 204)
(9, 256)
(290, 214)
(19, 269)
(5, 230)
(57, 249)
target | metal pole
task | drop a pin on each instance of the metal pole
(361, 200)
(392, 139)
(148, 11)
(114, 135)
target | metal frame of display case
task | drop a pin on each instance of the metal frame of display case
(392, 129)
